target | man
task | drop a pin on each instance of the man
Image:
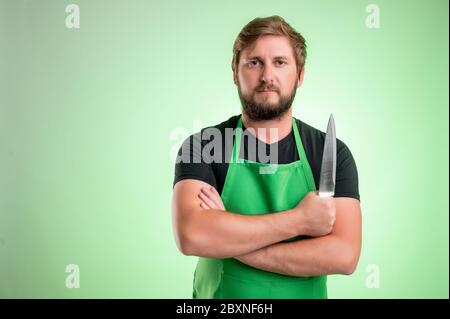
(260, 229)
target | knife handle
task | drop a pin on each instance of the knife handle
(326, 194)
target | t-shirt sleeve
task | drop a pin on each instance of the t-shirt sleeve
(190, 164)
(346, 173)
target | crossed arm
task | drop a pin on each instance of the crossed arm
(203, 227)
(336, 253)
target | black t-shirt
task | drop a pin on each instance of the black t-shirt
(213, 165)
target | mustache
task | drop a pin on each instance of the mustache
(264, 87)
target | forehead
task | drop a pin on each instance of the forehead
(269, 46)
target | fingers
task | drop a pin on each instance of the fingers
(206, 200)
(211, 198)
(204, 206)
(215, 191)
(219, 199)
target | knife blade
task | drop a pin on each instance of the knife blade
(328, 169)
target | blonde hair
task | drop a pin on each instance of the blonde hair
(273, 25)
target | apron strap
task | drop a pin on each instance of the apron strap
(302, 156)
(298, 141)
(237, 143)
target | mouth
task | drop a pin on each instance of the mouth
(267, 91)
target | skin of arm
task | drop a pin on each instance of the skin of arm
(213, 232)
(335, 253)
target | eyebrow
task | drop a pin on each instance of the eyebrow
(281, 57)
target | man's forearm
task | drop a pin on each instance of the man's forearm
(309, 257)
(221, 234)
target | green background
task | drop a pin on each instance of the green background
(89, 121)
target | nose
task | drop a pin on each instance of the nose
(267, 74)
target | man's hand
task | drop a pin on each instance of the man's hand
(336, 253)
(210, 199)
(316, 214)
(209, 230)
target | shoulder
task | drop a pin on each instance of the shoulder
(314, 139)
(193, 162)
(206, 134)
(230, 123)
(191, 148)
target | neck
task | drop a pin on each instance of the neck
(262, 128)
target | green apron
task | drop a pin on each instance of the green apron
(253, 188)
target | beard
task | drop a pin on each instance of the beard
(265, 110)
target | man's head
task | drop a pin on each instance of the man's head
(268, 60)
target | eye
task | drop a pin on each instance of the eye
(280, 62)
(253, 63)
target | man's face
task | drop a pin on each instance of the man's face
(267, 77)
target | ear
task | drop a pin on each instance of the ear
(300, 77)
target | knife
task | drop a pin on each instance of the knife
(328, 169)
